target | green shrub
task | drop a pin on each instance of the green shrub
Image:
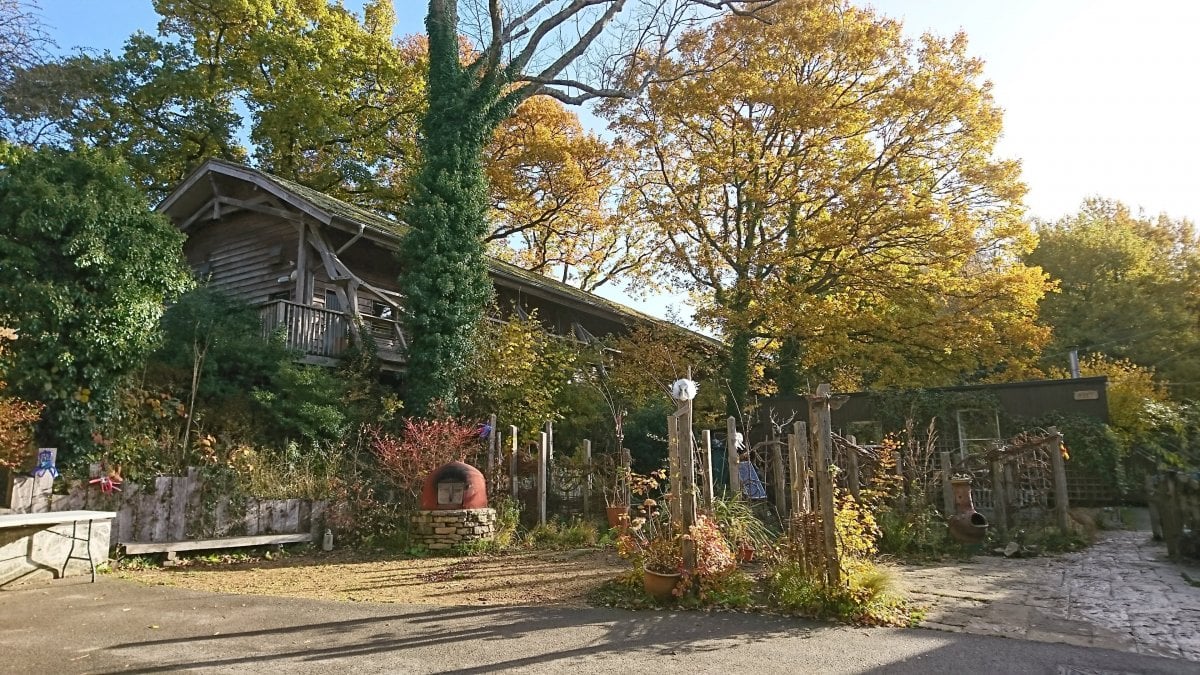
(556, 534)
(866, 595)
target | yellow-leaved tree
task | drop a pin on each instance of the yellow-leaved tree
(829, 197)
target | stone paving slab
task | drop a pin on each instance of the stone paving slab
(1121, 593)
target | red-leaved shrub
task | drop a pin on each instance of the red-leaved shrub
(423, 445)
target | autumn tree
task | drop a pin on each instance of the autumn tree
(571, 50)
(87, 269)
(1129, 287)
(557, 201)
(332, 98)
(829, 194)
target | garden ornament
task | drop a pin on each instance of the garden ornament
(683, 390)
(109, 481)
(967, 525)
(45, 464)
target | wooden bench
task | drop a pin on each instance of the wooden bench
(173, 547)
(39, 522)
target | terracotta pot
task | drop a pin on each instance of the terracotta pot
(746, 553)
(618, 516)
(967, 525)
(659, 586)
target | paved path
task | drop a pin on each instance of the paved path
(119, 625)
(1121, 594)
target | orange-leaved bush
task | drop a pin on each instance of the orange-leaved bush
(17, 418)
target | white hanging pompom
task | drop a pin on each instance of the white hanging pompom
(738, 443)
(683, 390)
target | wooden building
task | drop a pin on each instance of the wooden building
(316, 265)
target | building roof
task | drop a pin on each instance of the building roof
(387, 232)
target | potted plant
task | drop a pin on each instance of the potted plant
(651, 543)
(744, 532)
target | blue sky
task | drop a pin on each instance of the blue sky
(1101, 96)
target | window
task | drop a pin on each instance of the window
(381, 310)
(867, 432)
(280, 295)
(331, 301)
(978, 430)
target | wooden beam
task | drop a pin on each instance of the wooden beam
(136, 548)
(260, 208)
(204, 210)
(302, 267)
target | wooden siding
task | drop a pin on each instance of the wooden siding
(244, 255)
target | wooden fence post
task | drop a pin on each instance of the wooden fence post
(1155, 523)
(543, 463)
(999, 498)
(706, 441)
(1061, 504)
(947, 490)
(823, 458)
(731, 453)
(493, 447)
(852, 476)
(512, 462)
(587, 481)
(687, 462)
(674, 469)
(781, 502)
(798, 465)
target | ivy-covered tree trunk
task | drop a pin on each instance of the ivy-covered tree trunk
(443, 268)
(737, 373)
(788, 379)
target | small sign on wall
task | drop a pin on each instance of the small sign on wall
(1087, 395)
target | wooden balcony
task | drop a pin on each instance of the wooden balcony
(323, 335)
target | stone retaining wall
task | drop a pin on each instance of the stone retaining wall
(439, 530)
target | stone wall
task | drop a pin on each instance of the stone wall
(438, 530)
(41, 551)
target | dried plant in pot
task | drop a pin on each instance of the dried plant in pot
(650, 542)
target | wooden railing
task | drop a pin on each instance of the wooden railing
(310, 330)
(315, 331)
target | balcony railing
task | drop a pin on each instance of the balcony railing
(315, 331)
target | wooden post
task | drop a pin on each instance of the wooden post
(999, 498)
(731, 453)
(512, 462)
(1061, 504)
(781, 501)
(706, 441)
(302, 268)
(543, 462)
(798, 462)
(947, 490)
(852, 477)
(687, 462)
(587, 481)
(823, 457)
(493, 447)
(1155, 524)
(674, 469)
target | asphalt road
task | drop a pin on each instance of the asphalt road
(120, 626)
